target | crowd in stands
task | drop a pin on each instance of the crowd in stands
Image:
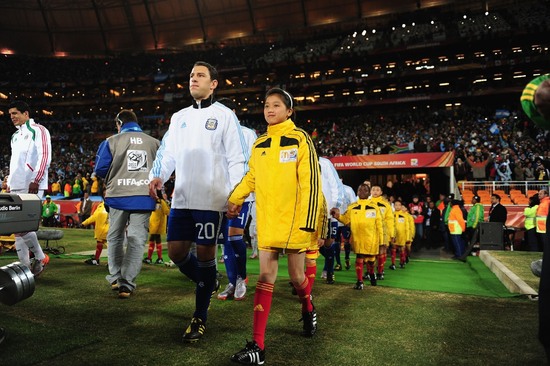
(511, 153)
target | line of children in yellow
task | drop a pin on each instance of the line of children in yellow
(374, 226)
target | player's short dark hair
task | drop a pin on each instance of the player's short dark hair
(496, 196)
(124, 116)
(228, 103)
(363, 184)
(20, 106)
(211, 69)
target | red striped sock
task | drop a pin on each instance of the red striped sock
(303, 294)
(370, 268)
(403, 256)
(159, 251)
(359, 270)
(262, 306)
(311, 272)
(393, 255)
(98, 250)
(151, 249)
(381, 262)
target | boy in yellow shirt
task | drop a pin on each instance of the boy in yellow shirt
(365, 222)
(402, 234)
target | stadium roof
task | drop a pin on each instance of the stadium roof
(99, 27)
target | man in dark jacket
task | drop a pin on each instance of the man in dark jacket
(432, 219)
(497, 212)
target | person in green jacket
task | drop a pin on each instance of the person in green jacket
(49, 209)
(475, 216)
(530, 213)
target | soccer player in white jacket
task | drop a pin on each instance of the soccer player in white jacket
(333, 190)
(31, 155)
(205, 147)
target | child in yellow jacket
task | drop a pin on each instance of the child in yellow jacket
(402, 235)
(100, 218)
(365, 222)
(157, 227)
(412, 232)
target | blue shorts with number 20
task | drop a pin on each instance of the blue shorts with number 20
(202, 227)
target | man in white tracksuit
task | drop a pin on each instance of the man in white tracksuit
(333, 190)
(205, 147)
(31, 155)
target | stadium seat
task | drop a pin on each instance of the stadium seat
(522, 201)
(532, 192)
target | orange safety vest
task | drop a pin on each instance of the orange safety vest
(542, 215)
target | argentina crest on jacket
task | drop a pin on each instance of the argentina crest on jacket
(211, 124)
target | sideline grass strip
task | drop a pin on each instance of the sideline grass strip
(471, 278)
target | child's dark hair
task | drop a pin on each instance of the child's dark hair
(287, 99)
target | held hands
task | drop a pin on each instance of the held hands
(335, 212)
(232, 210)
(154, 185)
(33, 187)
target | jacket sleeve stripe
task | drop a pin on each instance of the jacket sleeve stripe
(313, 201)
(43, 168)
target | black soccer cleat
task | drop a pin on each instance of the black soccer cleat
(194, 331)
(310, 323)
(330, 278)
(373, 280)
(251, 354)
(359, 285)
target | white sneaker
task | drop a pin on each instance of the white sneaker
(37, 266)
(240, 289)
(324, 275)
(228, 293)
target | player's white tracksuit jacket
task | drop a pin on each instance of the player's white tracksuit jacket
(333, 189)
(206, 147)
(31, 155)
